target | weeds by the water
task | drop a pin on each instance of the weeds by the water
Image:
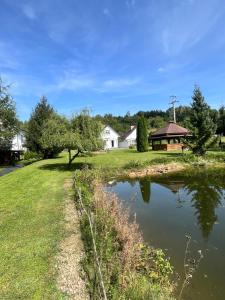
(190, 266)
(130, 269)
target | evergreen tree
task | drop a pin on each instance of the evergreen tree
(142, 135)
(202, 126)
(221, 121)
(40, 115)
(8, 119)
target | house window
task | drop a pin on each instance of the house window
(107, 131)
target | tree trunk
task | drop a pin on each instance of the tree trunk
(71, 158)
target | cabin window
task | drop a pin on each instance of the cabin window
(107, 131)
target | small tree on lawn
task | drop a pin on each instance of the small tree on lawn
(80, 134)
(8, 120)
(142, 135)
(202, 126)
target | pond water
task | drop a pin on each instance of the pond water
(168, 208)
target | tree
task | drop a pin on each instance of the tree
(202, 126)
(221, 121)
(142, 135)
(40, 115)
(8, 119)
(81, 134)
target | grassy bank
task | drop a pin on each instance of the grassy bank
(129, 269)
(131, 159)
(31, 201)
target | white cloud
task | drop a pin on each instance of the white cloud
(119, 83)
(29, 12)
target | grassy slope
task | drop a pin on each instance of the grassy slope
(31, 201)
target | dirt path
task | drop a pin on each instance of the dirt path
(70, 279)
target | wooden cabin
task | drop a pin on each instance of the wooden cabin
(168, 138)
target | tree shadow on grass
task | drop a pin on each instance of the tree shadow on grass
(179, 154)
(62, 167)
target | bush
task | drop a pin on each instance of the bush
(30, 155)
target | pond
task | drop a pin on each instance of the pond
(168, 208)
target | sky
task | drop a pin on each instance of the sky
(112, 56)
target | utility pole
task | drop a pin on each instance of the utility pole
(173, 101)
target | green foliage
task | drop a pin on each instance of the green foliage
(142, 135)
(221, 120)
(39, 117)
(202, 126)
(81, 133)
(30, 155)
(8, 121)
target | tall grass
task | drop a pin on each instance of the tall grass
(130, 269)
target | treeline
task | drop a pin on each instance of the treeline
(157, 118)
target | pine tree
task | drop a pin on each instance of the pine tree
(202, 126)
(142, 135)
(40, 115)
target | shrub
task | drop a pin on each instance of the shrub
(30, 155)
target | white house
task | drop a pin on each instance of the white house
(129, 138)
(110, 138)
(18, 143)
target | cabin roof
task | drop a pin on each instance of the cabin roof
(171, 129)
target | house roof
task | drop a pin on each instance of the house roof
(170, 129)
(126, 134)
(110, 128)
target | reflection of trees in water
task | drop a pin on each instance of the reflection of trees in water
(205, 198)
(145, 187)
(206, 193)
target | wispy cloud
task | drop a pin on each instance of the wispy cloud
(130, 3)
(8, 57)
(120, 83)
(29, 11)
(183, 26)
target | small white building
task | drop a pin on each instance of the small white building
(18, 143)
(129, 138)
(110, 138)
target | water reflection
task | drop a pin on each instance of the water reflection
(145, 187)
(205, 197)
(170, 206)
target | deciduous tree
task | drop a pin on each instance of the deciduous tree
(8, 119)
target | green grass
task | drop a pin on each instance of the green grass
(120, 158)
(31, 201)
(31, 223)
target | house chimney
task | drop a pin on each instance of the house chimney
(132, 127)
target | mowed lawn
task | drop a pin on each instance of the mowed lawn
(121, 157)
(31, 223)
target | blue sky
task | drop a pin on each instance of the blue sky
(112, 56)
